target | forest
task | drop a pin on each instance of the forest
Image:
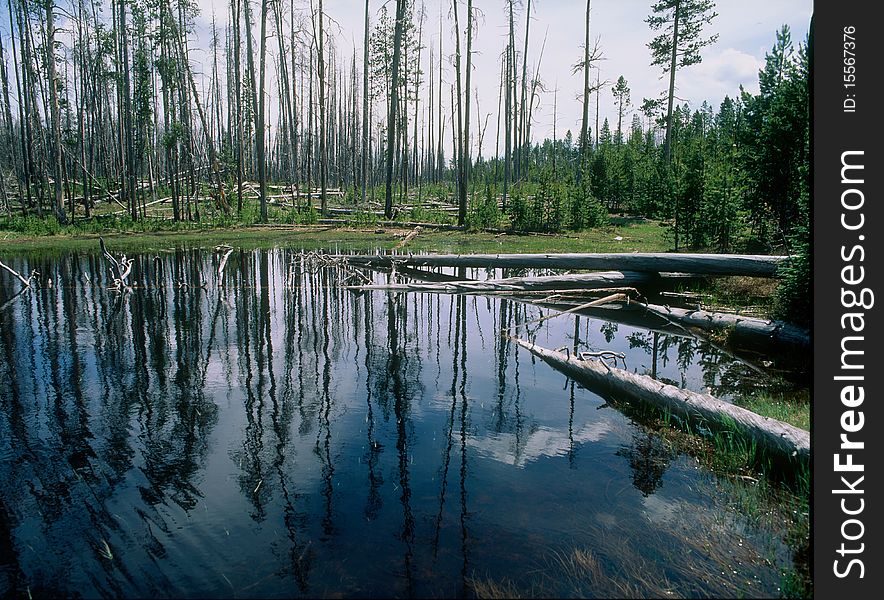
(112, 118)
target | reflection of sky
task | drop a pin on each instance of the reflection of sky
(257, 439)
(544, 441)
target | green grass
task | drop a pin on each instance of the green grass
(770, 495)
(789, 408)
(645, 236)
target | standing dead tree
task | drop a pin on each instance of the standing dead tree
(394, 107)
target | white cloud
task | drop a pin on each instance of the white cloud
(746, 31)
(720, 75)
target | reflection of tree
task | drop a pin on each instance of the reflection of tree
(401, 401)
(638, 339)
(649, 458)
(374, 501)
(176, 431)
(99, 362)
(12, 578)
(609, 330)
(458, 393)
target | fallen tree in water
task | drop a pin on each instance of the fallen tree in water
(735, 329)
(701, 264)
(698, 411)
(581, 281)
(25, 282)
(729, 329)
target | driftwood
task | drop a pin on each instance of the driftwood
(582, 281)
(26, 282)
(703, 264)
(697, 410)
(736, 329)
(412, 234)
(439, 226)
(119, 269)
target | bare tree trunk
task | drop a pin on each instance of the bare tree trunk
(465, 176)
(237, 53)
(53, 103)
(510, 60)
(459, 126)
(394, 106)
(259, 128)
(584, 129)
(521, 156)
(667, 144)
(323, 133)
(365, 124)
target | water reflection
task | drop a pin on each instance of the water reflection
(268, 431)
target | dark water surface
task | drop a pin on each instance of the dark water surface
(280, 436)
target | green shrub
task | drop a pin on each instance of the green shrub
(484, 213)
(792, 301)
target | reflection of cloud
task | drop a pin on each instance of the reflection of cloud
(544, 441)
(660, 509)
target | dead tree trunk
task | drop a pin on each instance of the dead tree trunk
(696, 409)
(58, 167)
(584, 281)
(736, 329)
(701, 264)
(392, 118)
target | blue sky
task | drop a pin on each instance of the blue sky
(746, 31)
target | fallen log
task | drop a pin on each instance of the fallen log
(768, 358)
(695, 409)
(582, 281)
(735, 329)
(401, 224)
(412, 234)
(26, 282)
(702, 264)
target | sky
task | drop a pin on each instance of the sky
(746, 28)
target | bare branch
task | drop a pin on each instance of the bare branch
(26, 282)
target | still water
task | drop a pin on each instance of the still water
(269, 434)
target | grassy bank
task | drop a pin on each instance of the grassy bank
(637, 235)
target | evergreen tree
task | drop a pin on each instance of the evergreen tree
(679, 44)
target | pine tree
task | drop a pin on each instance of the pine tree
(679, 44)
(621, 96)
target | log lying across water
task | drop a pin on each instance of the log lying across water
(582, 281)
(701, 264)
(737, 329)
(694, 408)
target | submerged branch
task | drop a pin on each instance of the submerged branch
(119, 269)
(26, 282)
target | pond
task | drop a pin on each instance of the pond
(269, 433)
